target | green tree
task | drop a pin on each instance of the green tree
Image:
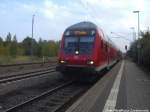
(1, 40)
(20, 49)
(13, 46)
(144, 50)
(30, 46)
(1, 46)
(53, 48)
(8, 38)
(27, 43)
(45, 48)
(39, 47)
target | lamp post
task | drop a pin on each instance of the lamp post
(32, 34)
(134, 34)
(138, 22)
(138, 44)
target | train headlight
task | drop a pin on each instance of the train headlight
(76, 52)
(90, 62)
(62, 61)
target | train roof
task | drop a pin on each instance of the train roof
(83, 25)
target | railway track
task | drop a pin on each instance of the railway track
(12, 68)
(26, 64)
(19, 76)
(53, 100)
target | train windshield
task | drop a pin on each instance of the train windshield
(71, 44)
(82, 44)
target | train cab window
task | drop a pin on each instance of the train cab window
(71, 44)
(86, 44)
(83, 44)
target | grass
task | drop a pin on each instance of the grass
(18, 59)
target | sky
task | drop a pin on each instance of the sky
(52, 17)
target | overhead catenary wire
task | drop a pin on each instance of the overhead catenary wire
(89, 10)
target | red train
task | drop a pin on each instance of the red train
(85, 47)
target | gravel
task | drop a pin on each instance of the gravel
(20, 95)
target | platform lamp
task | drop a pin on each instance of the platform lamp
(32, 35)
(138, 44)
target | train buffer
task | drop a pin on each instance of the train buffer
(125, 88)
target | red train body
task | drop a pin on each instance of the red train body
(85, 47)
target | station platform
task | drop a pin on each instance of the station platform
(125, 88)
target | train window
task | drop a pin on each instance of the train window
(71, 44)
(86, 44)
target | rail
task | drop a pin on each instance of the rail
(14, 108)
(16, 77)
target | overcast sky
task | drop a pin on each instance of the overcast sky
(53, 16)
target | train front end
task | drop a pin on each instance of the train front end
(77, 51)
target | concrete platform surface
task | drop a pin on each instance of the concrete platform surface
(125, 88)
